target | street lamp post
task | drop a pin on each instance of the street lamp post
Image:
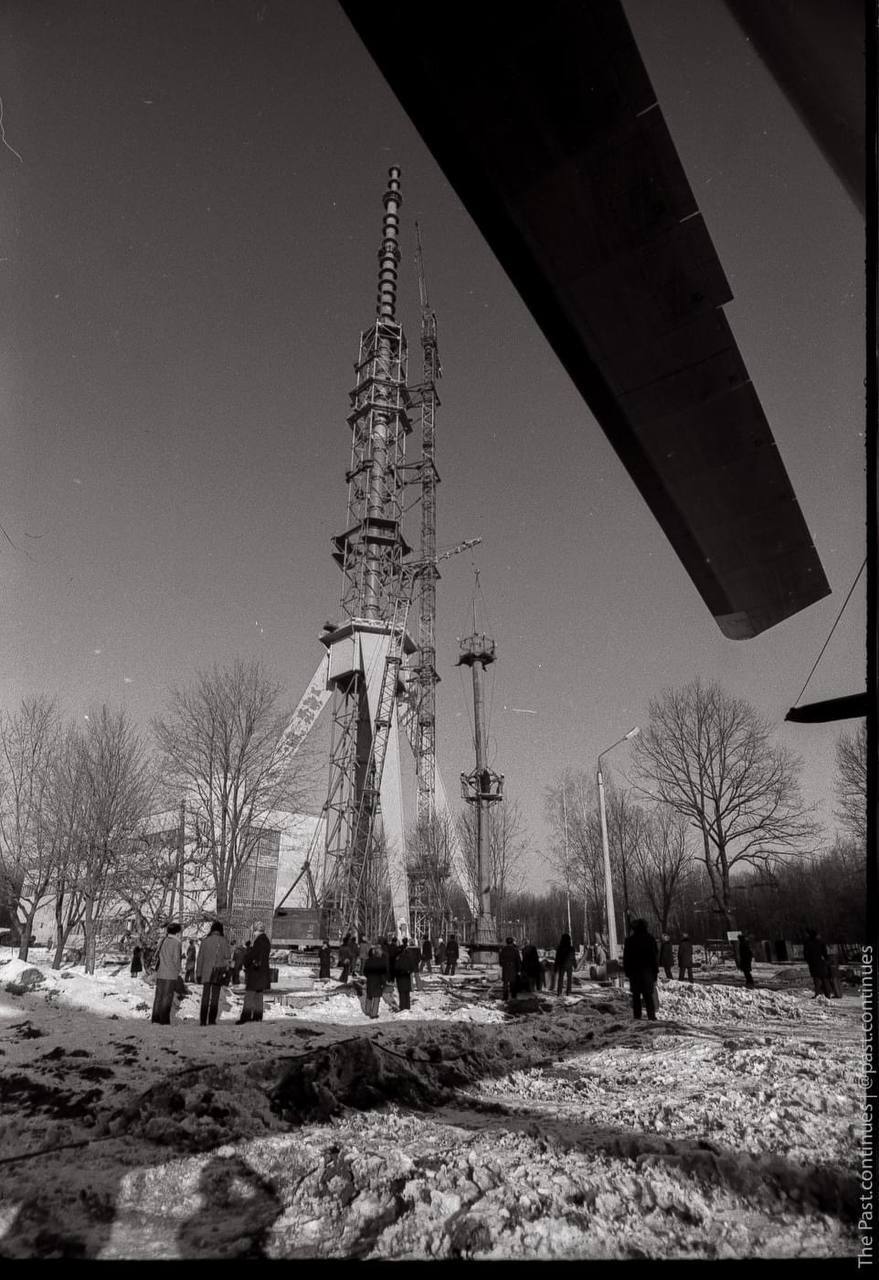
(608, 884)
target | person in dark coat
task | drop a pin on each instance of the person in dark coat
(136, 962)
(816, 957)
(564, 963)
(439, 954)
(325, 959)
(347, 952)
(212, 971)
(415, 962)
(238, 954)
(746, 959)
(426, 955)
(189, 973)
(257, 976)
(685, 957)
(167, 966)
(532, 969)
(451, 954)
(402, 962)
(666, 955)
(375, 968)
(641, 967)
(511, 964)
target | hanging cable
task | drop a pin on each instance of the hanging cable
(832, 629)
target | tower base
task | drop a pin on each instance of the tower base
(484, 946)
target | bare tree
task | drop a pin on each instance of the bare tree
(115, 791)
(662, 859)
(508, 845)
(429, 868)
(576, 852)
(709, 756)
(29, 741)
(219, 747)
(851, 782)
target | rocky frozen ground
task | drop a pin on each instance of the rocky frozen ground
(463, 1129)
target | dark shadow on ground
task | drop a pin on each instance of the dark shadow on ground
(238, 1210)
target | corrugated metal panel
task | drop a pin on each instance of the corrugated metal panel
(549, 132)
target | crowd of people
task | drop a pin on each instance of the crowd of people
(217, 963)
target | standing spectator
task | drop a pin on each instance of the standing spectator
(451, 955)
(532, 969)
(426, 955)
(439, 954)
(363, 951)
(248, 948)
(816, 957)
(746, 958)
(402, 967)
(136, 962)
(324, 959)
(258, 976)
(641, 967)
(212, 971)
(415, 961)
(511, 963)
(375, 970)
(833, 976)
(685, 957)
(564, 963)
(167, 966)
(189, 972)
(666, 955)
(237, 961)
(346, 957)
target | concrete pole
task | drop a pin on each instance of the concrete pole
(608, 884)
(181, 839)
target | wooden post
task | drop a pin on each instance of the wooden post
(181, 839)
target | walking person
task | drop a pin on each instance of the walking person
(426, 955)
(685, 958)
(666, 955)
(641, 967)
(439, 954)
(238, 953)
(212, 971)
(167, 966)
(746, 958)
(375, 970)
(816, 957)
(257, 978)
(511, 964)
(451, 955)
(324, 960)
(189, 972)
(136, 962)
(564, 963)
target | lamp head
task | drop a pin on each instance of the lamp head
(633, 733)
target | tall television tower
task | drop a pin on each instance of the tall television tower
(364, 669)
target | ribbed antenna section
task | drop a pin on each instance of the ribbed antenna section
(389, 253)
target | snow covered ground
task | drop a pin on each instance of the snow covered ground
(462, 1128)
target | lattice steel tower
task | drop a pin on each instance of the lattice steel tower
(366, 651)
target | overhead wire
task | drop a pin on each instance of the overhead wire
(832, 629)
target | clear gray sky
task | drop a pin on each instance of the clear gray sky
(188, 239)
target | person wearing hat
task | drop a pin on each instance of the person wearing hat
(258, 976)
